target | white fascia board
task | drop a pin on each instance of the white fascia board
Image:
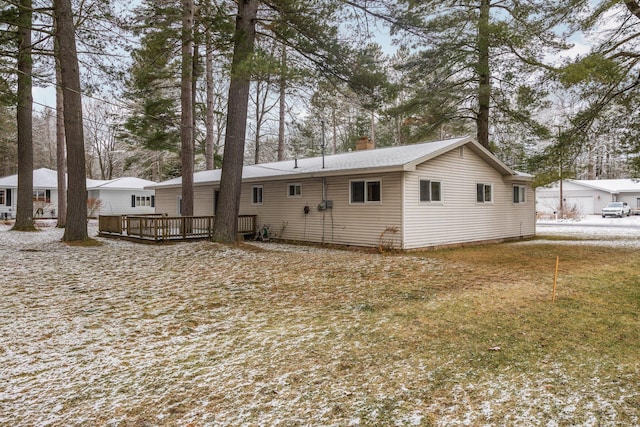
(411, 166)
(323, 174)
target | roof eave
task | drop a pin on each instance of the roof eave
(518, 178)
(324, 174)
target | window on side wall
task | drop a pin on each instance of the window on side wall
(256, 195)
(430, 191)
(518, 193)
(139, 201)
(294, 190)
(2, 199)
(365, 191)
(484, 193)
(39, 195)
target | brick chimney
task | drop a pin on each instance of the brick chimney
(364, 143)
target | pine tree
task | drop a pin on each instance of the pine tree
(24, 211)
(465, 48)
(606, 79)
(226, 224)
(186, 107)
(76, 226)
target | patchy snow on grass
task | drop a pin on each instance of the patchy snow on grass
(200, 334)
(595, 230)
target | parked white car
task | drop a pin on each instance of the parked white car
(619, 209)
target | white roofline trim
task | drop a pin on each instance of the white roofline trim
(382, 160)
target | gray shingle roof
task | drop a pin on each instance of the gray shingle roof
(404, 157)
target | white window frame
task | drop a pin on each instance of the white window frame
(431, 182)
(521, 196)
(297, 191)
(39, 195)
(257, 195)
(367, 200)
(484, 192)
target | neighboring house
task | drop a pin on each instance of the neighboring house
(587, 197)
(117, 196)
(122, 196)
(409, 197)
(45, 194)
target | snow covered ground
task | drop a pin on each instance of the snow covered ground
(199, 334)
(593, 229)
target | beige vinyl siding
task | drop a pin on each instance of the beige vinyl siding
(459, 218)
(203, 200)
(345, 223)
(167, 200)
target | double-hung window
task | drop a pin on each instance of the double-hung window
(518, 193)
(42, 196)
(365, 191)
(256, 195)
(484, 193)
(2, 199)
(294, 190)
(430, 191)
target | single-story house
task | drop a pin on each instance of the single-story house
(408, 197)
(117, 196)
(123, 196)
(45, 194)
(587, 197)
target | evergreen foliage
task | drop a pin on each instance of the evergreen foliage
(470, 58)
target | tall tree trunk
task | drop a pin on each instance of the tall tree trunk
(61, 164)
(208, 144)
(256, 158)
(334, 129)
(186, 102)
(484, 77)
(373, 128)
(226, 222)
(24, 118)
(194, 84)
(76, 227)
(283, 92)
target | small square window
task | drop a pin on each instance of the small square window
(294, 190)
(430, 191)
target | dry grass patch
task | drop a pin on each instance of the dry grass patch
(205, 334)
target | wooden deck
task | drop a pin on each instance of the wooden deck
(161, 228)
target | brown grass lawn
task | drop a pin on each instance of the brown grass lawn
(200, 334)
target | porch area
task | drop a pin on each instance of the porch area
(162, 228)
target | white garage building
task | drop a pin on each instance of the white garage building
(587, 197)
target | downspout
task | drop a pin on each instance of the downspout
(324, 197)
(403, 222)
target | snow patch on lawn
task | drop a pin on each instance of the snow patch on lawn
(199, 334)
(594, 230)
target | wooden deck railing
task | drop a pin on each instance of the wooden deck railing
(160, 227)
